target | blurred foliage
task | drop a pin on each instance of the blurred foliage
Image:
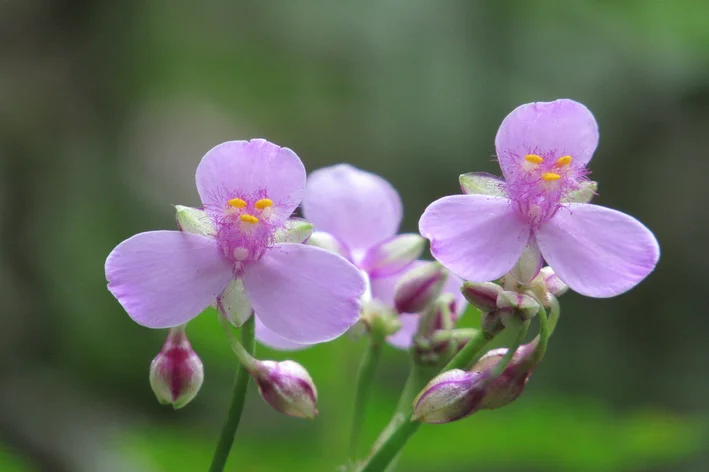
(106, 108)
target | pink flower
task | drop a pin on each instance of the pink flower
(357, 214)
(543, 149)
(248, 189)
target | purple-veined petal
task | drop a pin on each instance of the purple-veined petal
(268, 338)
(548, 129)
(597, 251)
(249, 168)
(392, 255)
(477, 237)
(166, 278)
(303, 293)
(357, 207)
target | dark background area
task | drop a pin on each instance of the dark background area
(107, 107)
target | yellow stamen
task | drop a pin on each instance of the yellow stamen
(563, 161)
(237, 203)
(263, 203)
(246, 218)
(550, 176)
(533, 159)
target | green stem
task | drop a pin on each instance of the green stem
(390, 447)
(364, 384)
(226, 438)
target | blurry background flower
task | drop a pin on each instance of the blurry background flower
(107, 107)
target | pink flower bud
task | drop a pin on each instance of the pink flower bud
(176, 373)
(483, 296)
(419, 287)
(515, 308)
(449, 396)
(287, 387)
(547, 283)
(510, 384)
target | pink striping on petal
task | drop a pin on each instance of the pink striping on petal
(304, 294)
(597, 251)
(166, 278)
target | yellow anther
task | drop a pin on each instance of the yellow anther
(550, 176)
(246, 218)
(533, 159)
(263, 203)
(563, 161)
(237, 203)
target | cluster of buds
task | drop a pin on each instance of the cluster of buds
(422, 290)
(457, 393)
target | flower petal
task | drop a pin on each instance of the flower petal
(250, 168)
(597, 251)
(304, 294)
(270, 339)
(166, 278)
(548, 129)
(477, 237)
(358, 208)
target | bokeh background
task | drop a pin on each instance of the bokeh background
(107, 107)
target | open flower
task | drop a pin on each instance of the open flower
(248, 189)
(543, 149)
(356, 214)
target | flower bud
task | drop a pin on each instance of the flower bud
(482, 296)
(287, 387)
(516, 308)
(379, 318)
(176, 373)
(393, 255)
(329, 243)
(419, 287)
(449, 396)
(506, 388)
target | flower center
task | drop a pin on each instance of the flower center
(245, 227)
(541, 182)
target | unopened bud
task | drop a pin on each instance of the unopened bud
(510, 384)
(515, 308)
(419, 287)
(329, 243)
(449, 396)
(548, 283)
(393, 255)
(482, 296)
(287, 387)
(176, 373)
(379, 318)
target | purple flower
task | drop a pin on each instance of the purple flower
(248, 189)
(356, 214)
(543, 149)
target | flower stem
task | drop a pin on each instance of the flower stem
(390, 447)
(364, 384)
(226, 438)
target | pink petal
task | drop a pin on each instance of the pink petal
(166, 278)
(270, 339)
(251, 167)
(304, 294)
(597, 251)
(478, 237)
(358, 208)
(549, 129)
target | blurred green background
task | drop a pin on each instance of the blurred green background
(107, 107)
